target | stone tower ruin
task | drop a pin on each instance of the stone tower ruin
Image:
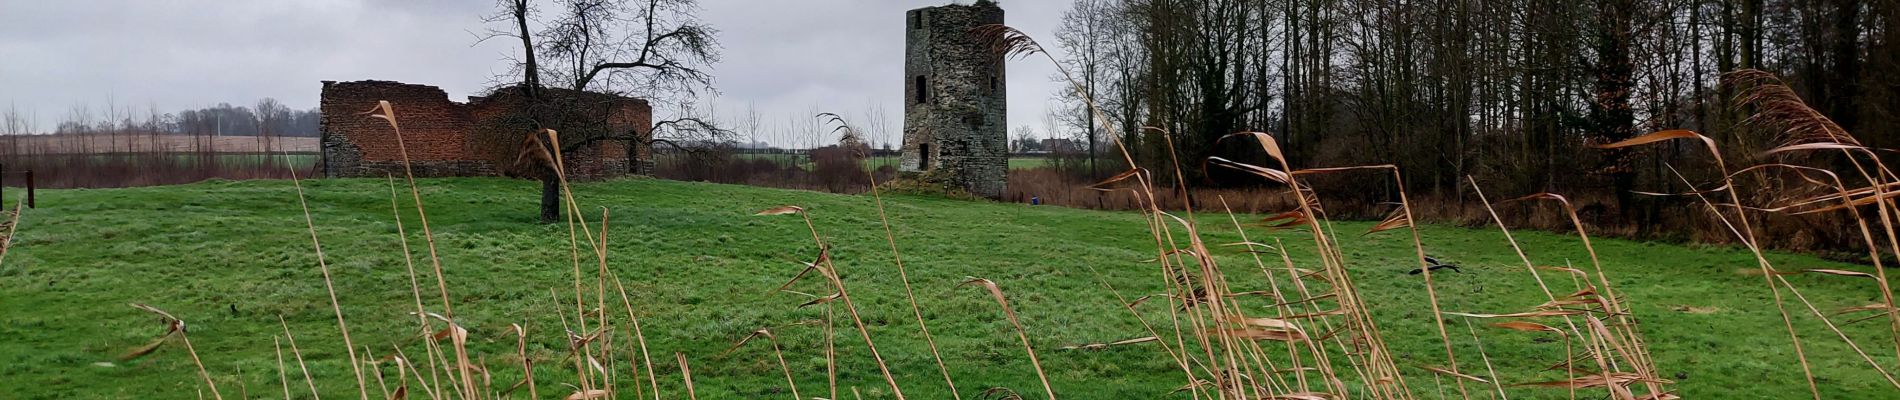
(955, 130)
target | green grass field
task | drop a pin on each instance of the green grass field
(875, 162)
(230, 257)
(1028, 162)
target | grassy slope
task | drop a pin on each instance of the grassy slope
(229, 257)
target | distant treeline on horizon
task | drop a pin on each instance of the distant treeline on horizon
(267, 118)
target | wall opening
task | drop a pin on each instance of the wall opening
(922, 88)
(923, 156)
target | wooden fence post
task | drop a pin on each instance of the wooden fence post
(30, 203)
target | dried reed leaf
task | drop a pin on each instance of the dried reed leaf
(1263, 172)
(1823, 271)
(1527, 326)
(1397, 219)
(1813, 146)
(1660, 396)
(1301, 396)
(781, 210)
(1454, 374)
(1592, 380)
(588, 395)
(1328, 170)
(1660, 136)
(1267, 143)
(1285, 220)
(1837, 272)
(1541, 313)
(1869, 307)
(1261, 334)
(1327, 313)
(1103, 185)
(141, 351)
(1099, 346)
(822, 300)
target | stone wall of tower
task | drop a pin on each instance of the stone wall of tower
(955, 125)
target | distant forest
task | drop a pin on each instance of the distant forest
(1511, 92)
(267, 118)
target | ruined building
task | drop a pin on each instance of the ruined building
(477, 138)
(954, 114)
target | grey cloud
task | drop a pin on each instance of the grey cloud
(786, 58)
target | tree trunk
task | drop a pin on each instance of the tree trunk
(550, 200)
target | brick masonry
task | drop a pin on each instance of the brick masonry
(955, 125)
(478, 138)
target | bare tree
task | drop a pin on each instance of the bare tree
(655, 49)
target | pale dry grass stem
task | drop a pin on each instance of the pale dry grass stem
(776, 353)
(386, 112)
(356, 368)
(997, 293)
(830, 272)
(13, 225)
(877, 197)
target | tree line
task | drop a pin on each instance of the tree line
(268, 118)
(1510, 91)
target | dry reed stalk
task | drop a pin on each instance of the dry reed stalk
(430, 389)
(776, 352)
(1541, 285)
(374, 371)
(1624, 340)
(1431, 292)
(310, 224)
(1746, 232)
(829, 270)
(997, 293)
(174, 325)
(573, 240)
(831, 350)
(1384, 379)
(1837, 331)
(527, 364)
(409, 262)
(307, 380)
(1179, 359)
(897, 258)
(638, 335)
(1867, 236)
(1281, 307)
(687, 375)
(388, 114)
(1777, 104)
(1489, 370)
(13, 225)
(576, 219)
(1006, 42)
(281, 376)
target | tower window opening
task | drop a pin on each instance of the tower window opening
(923, 156)
(922, 90)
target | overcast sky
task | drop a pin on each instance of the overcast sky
(785, 57)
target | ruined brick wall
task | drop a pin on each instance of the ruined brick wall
(446, 138)
(955, 125)
(434, 131)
